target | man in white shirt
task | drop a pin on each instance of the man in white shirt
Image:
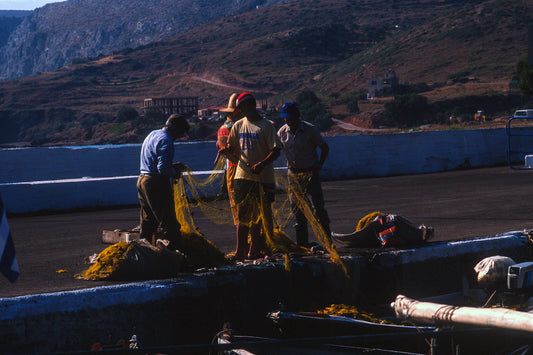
(300, 140)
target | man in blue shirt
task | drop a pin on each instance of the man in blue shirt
(155, 181)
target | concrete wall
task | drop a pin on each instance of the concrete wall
(34, 179)
(190, 309)
(414, 152)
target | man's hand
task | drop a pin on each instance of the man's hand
(257, 168)
(316, 169)
(231, 153)
(226, 150)
(217, 158)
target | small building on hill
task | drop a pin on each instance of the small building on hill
(382, 86)
(213, 112)
(169, 105)
(209, 113)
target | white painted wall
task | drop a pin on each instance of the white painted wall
(414, 152)
(34, 179)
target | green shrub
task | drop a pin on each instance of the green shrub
(408, 110)
(313, 110)
(353, 106)
(117, 129)
(127, 113)
(525, 74)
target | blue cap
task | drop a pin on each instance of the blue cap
(290, 110)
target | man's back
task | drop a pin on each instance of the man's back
(157, 153)
(255, 139)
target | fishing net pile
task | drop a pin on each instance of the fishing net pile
(135, 260)
(195, 249)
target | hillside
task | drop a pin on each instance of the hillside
(58, 34)
(483, 40)
(332, 47)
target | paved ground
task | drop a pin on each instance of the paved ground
(459, 204)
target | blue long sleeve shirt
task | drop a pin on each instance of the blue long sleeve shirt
(157, 154)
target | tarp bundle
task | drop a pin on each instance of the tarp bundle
(385, 230)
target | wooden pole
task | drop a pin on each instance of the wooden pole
(442, 314)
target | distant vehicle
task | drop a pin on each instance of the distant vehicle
(479, 116)
(523, 113)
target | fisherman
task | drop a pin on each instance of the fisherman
(222, 141)
(300, 140)
(154, 185)
(253, 145)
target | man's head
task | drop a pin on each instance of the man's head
(291, 114)
(245, 105)
(177, 125)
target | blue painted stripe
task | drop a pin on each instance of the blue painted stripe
(8, 260)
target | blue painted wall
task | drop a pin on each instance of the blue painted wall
(34, 179)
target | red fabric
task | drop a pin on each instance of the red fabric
(388, 235)
(223, 131)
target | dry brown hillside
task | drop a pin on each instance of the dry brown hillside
(330, 46)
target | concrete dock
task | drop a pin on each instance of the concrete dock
(475, 213)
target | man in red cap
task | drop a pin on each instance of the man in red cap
(253, 145)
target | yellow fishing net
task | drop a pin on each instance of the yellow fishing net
(351, 312)
(108, 262)
(198, 250)
(192, 192)
(366, 220)
(135, 260)
(219, 212)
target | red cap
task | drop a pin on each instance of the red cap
(245, 96)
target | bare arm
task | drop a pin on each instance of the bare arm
(222, 141)
(232, 153)
(324, 151)
(273, 155)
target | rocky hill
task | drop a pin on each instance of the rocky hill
(330, 46)
(9, 21)
(59, 33)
